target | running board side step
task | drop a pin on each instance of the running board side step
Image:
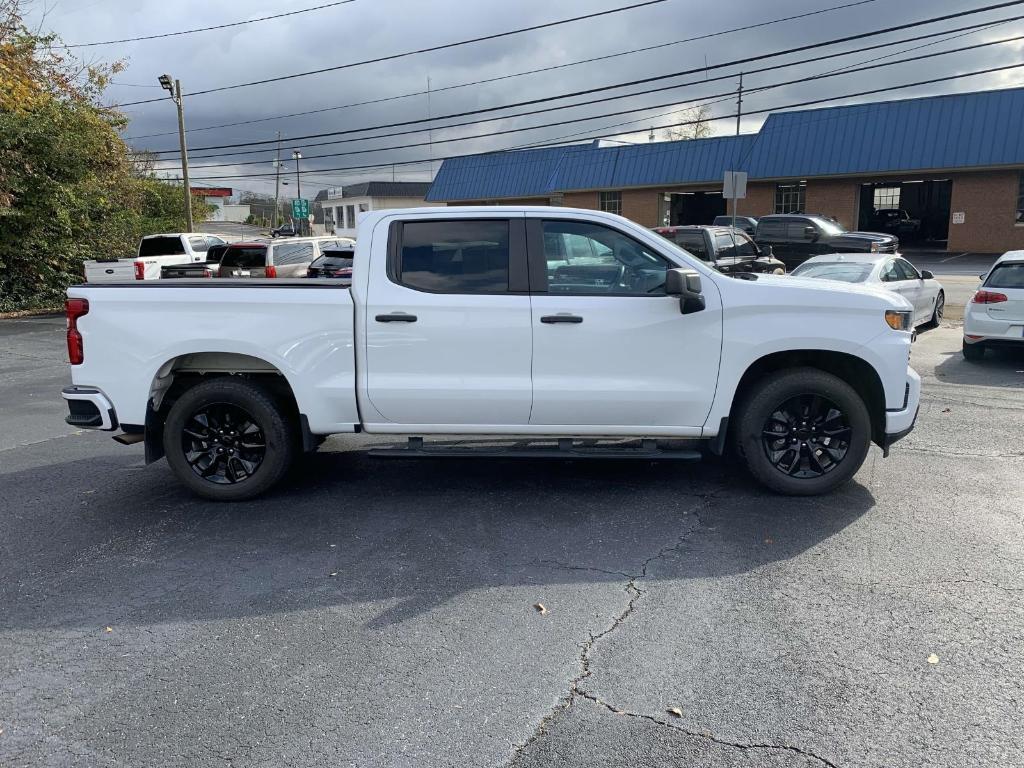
(562, 448)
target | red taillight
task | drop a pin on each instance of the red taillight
(270, 271)
(140, 270)
(207, 273)
(75, 308)
(989, 297)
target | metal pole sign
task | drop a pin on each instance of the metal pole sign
(300, 208)
(735, 185)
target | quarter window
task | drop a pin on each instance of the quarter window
(611, 202)
(789, 198)
(724, 246)
(455, 256)
(890, 273)
(608, 262)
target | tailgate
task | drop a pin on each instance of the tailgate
(109, 271)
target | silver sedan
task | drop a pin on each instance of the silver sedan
(884, 270)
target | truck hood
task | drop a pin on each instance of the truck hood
(864, 237)
(846, 294)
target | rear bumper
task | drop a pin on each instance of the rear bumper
(88, 408)
(900, 422)
(991, 331)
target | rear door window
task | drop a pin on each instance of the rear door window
(245, 257)
(454, 256)
(772, 228)
(693, 242)
(198, 244)
(161, 246)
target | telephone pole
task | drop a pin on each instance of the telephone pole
(175, 90)
(298, 183)
(277, 181)
(739, 104)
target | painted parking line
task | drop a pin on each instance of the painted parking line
(955, 256)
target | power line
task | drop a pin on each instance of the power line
(516, 74)
(728, 94)
(530, 102)
(205, 29)
(405, 54)
(795, 105)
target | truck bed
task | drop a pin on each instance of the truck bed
(138, 335)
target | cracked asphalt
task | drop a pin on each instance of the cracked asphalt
(377, 613)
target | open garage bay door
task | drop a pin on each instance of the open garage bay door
(916, 211)
(696, 207)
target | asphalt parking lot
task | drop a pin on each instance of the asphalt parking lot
(378, 613)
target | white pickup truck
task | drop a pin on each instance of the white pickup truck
(155, 251)
(578, 333)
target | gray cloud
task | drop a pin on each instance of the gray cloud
(369, 28)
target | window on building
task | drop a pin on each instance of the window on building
(1020, 197)
(789, 198)
(455, 256)
(611, 202)
(350, 216)
(886, 198)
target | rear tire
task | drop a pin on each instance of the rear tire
(803, 432)
(229, 439)
(973, 352)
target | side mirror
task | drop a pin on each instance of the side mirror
(926, 275)
(685, 283)
(811, 233)
(766, 251)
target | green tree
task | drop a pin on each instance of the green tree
(69, 190)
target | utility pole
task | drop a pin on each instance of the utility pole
(739, 104)
(298, 183)
(430, 133)
(175, 91)
(277, 181)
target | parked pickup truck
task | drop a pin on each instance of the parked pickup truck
(155, 251)
(482, 320)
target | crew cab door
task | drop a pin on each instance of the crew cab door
(447, 323)
(610, 348)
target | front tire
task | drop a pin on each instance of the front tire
(940, 308)
(228, 439)
(803, 432)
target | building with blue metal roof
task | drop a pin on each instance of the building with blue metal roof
(950, 166)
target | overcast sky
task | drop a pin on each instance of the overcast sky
(365, 29)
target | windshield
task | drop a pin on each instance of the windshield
(161, 246)
(845, 271)
(1009, 275)
(830, 227)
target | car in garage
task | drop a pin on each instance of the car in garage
(794, 238)
(893, 272)
(994, 316)
(895, 221)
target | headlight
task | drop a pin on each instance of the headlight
(898, 320)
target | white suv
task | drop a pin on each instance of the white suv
(995, 315)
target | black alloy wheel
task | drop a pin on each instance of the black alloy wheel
(806, 436)
(223, 444)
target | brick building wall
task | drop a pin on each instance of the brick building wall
(989, 204)
(834, 197)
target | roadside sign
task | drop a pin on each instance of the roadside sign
(958, 217)
(300, 208)
(734, 186)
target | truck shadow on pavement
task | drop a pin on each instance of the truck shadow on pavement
(114, 543)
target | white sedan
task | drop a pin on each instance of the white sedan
(890, 271)
(995, 315)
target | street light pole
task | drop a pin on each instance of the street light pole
(298, 183)
(277, 181)
(175, 91)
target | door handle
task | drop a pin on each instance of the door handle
(396, 317)
(561, 319)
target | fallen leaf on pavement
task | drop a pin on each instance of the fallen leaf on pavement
(675, 711)
(947, 410)
(334, 573)
(108, 629)
(540, 608)
(933, 659)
